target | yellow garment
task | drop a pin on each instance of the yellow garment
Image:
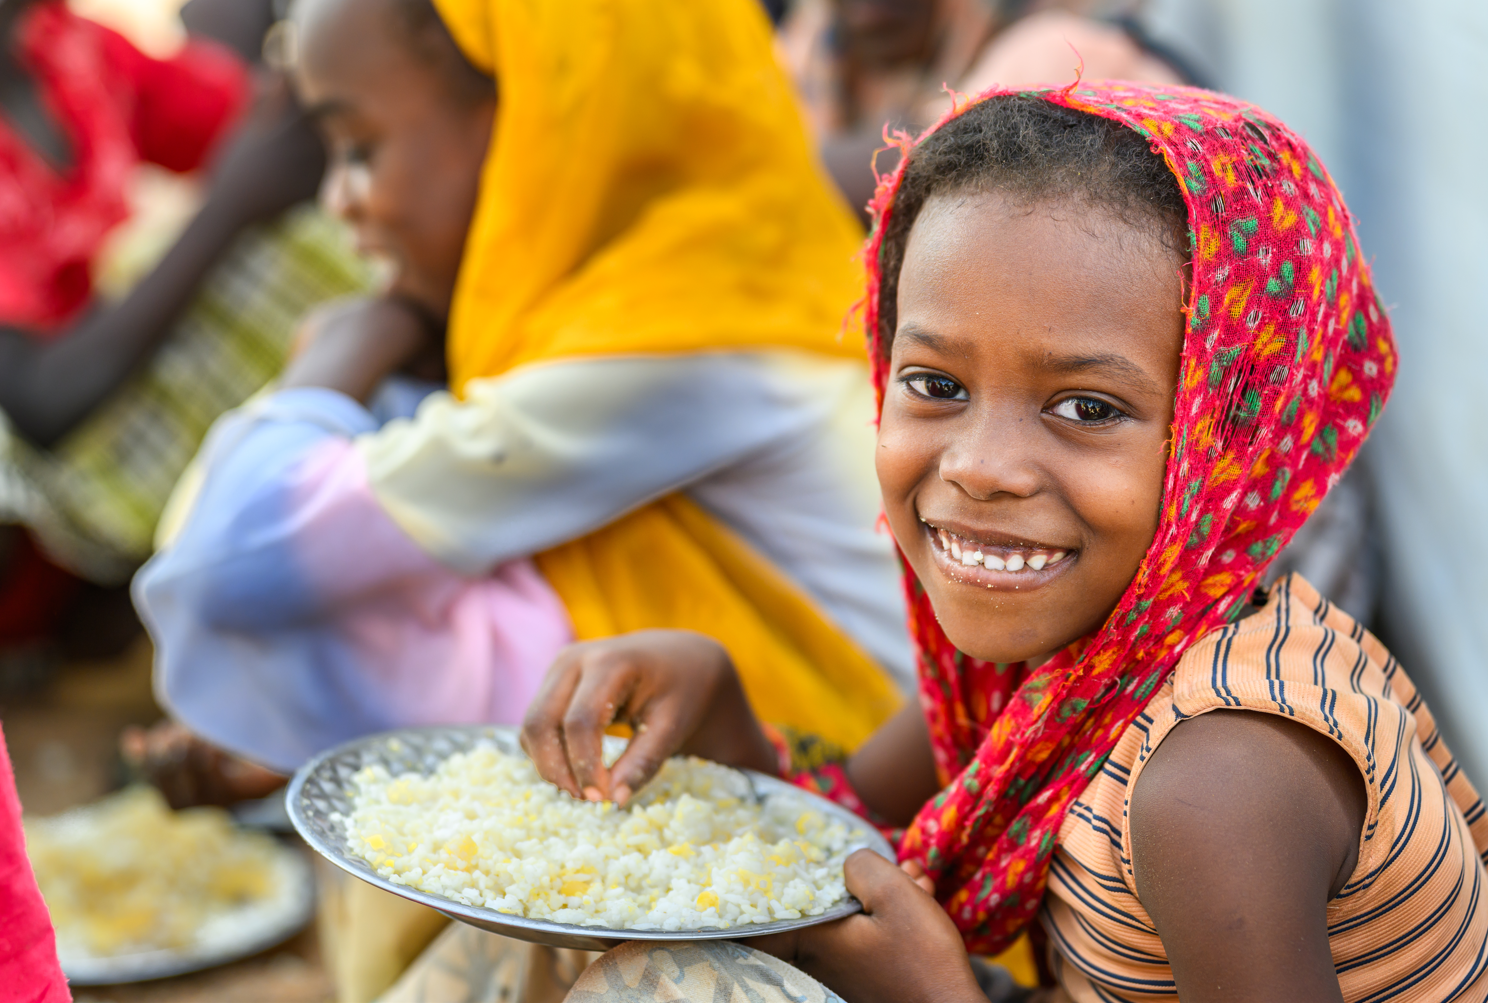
(671, 565)
(651, 189)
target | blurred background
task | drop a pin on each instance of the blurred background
(1389, 92)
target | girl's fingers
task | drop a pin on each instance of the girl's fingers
(542, 729)
(870, 878)
(604, 683)
(656, 738)
(915, 871)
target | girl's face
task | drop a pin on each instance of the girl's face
(1025, 423)
(405, 155)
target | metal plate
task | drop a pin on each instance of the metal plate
(226, 937)
(321, 790)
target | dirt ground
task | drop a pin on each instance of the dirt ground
(63, 742)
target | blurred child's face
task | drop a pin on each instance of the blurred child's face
(887, 33)
(405, 155)
(1025, 422)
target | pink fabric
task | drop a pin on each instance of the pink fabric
(29, 972)
(441, 647)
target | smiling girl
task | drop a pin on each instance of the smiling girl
(1125, 342)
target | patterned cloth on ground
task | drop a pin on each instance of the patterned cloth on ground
(467, 965)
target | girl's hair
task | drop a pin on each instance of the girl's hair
(1034, 151)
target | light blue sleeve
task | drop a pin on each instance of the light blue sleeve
(237, 555)
(290, 614)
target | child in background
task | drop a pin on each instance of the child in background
(651, 419)
(1126, 343)
(862, 65)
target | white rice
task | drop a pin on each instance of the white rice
(692, 850)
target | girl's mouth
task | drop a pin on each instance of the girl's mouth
(1007, 564)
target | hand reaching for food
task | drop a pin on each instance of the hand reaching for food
(678, 692)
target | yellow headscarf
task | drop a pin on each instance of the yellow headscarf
(650, 188)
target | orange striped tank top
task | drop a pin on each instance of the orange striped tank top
(1412, 921)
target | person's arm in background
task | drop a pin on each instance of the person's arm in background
(278, 534)
(47, 388)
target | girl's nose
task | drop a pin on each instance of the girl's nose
(994, 456)
(344, 192)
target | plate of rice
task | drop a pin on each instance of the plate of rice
(137, 891)
(458, 818)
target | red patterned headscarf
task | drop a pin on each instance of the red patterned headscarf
(1287, 361)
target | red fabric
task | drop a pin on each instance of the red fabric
(29, 972)
(118, 107)
(1288, 358)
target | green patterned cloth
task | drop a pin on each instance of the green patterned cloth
(95, 499)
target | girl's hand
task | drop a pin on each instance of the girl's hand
(902, 947)
(352, 345)
(189, 771)
(676, 689)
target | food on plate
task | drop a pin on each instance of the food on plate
(694, 849)
(126, 875)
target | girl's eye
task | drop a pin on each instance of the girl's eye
(353, 154)
(1087, 410)
(941, 388)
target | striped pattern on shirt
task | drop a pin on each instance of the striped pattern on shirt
(1412, 921)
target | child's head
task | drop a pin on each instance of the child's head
(1031, 306)
(407, 121)
(1069, 371)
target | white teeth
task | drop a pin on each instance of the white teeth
(970, 557)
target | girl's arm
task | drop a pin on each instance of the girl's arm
(1243, 827)
(47, 388)
(894, 771)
